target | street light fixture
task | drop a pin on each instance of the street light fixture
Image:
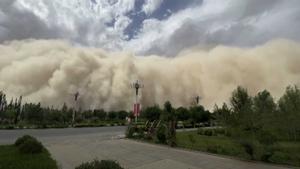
(136, 85)
(76, 95)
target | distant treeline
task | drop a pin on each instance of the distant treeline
(14, 112)
(258, 116)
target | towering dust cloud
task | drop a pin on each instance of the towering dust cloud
(51, 72)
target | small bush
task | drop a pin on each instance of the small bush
(279, 157)
(140, 133)
(29, 145)
(130, 131)
(219, 131)
(267, 138)
(22, 139)
(208, 132)
(103, 164)
(215, 149)
(249, 147)
(253, 149)
(161, 134)
(200, 131)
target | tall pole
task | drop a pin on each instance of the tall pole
(136, 85)
(197, 100)
(73, 115)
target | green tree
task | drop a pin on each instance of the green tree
(151, 113)
(240, 100)
(223, 115)
(289, 107)
(169, 117)
(199, 114)
(242, 119)
(33, 113)
(182, 114)
(100, 114)
(264, 109)
(263, 102)
(112, 115)
(122, 115)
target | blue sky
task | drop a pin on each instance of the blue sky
(164, 11)
(147, 27)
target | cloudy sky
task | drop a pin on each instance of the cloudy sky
(147, 27)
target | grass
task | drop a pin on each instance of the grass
(213, 144)
(287, 153)
(11, 158)
(283, 152)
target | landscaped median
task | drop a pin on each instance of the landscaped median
(26, 153)
(216, 141)
(211, 141)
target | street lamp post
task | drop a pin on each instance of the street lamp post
(197, 99)
(136, 85)
(76, 95)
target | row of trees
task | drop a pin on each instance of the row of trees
(14, 112)
(194, 114)
(260, 117)
(33, 113)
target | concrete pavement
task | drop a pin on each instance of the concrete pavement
(71, 147)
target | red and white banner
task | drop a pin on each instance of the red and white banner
(136, 109)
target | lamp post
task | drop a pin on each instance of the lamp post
(136, 85)
(197, 99)
(76, 95)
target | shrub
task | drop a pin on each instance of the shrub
(161, 134)
(103, 164)
(22, 139)
(200, 131)
(215, 149)
(267, 138)
(130, 131)
(29, 145)
(140, 133)
(208, 132)
(219, 131)
(249, 149)
(279, 157)
(252, 148)
(268, 152)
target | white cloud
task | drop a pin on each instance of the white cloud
(102, 24)
(228, 22)
(82, 22)
(151, 5)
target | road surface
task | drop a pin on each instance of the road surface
(70, 147)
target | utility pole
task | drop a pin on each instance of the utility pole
(197, 98)
(76, 95)
(136, 85)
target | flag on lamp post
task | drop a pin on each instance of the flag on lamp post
(136, 109)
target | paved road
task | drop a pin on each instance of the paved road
(70, 147)
(50, 135)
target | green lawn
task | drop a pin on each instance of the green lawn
(11, 158)
(283, 152)
(213, 144)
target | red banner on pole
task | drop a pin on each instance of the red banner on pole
(136, 109)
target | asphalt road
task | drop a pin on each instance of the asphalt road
(70, 147)
(47, 135)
